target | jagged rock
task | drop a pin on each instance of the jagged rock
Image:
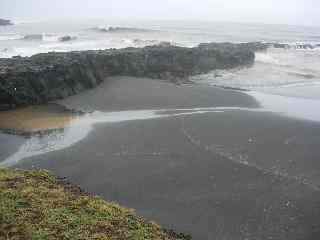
(305, 46)
(67, 38)
(50, 76)
(280, 45)
(296, 46)
(251, 46)
(4, 22)
(164, 44)
(33, 37)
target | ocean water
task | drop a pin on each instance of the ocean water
(291, 72)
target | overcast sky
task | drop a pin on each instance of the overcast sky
(297, 12)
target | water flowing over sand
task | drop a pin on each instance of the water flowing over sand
(76, 129)
(161, 148)
(300, 108)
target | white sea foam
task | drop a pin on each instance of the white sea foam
(10, 36)
(53, 44)
(273, 69)
(51, 37)
(266, 58)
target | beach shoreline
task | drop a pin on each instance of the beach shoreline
(219, 174)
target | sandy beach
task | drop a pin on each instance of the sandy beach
(160, 120)
(236, 173)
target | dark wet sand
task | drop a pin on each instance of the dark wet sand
(9, 144)
(233, 175)
(127, 93)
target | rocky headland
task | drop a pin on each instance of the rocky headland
(51, 76)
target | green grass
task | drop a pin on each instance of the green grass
(36, 205)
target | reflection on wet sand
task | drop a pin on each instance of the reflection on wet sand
(78, 127)
(35, 119)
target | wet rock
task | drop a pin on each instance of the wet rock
(51, 76)
(281, 45)
(67, 38)
(145, 42)
(251, 46)
(304, 46)
(293, 46)
(31, 37)
(5, 50)
(4, 22)
(165, 44)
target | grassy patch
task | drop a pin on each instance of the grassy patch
(35, 205)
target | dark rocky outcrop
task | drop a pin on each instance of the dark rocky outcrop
(280, 45)
(33, 37)
(304, 46)
(67, 38)
(4, 22)
(50, 76)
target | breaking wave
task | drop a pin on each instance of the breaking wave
(47, 37)
(48, 43)
(10, 36)
(107, 29)
(296, 45)
(266, 58)
(273, 68)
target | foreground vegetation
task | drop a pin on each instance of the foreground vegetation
(36, 205)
